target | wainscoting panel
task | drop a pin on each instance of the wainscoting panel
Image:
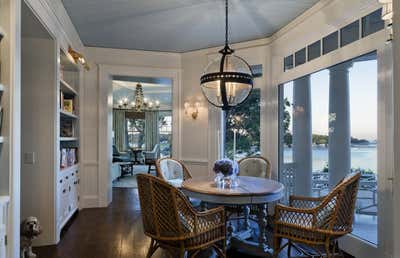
(197, 167)
(89, 192)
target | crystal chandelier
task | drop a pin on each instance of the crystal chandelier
(140, 103)
(228, 80)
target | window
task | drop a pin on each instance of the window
(323, 129)
(257, 70)
(314, 50)
(372, 23)
(330, 42)
(165, 129)
(349, 33)
(135, 130)
(243, 128)
(300, 57)
(288, 63)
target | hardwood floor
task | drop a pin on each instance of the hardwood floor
(113, 232)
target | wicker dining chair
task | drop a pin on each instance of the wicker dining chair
(173, 171)
(256, 166)
(317, 221)
(172, 223)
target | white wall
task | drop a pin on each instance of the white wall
(92, 121)
(39, 102)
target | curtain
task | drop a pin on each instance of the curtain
(152, 136)
(119, 128)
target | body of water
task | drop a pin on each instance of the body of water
(364, 157)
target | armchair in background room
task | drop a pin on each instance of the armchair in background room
(150, 157)
(120, 156)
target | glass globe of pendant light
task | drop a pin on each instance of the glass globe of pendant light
(228, 80)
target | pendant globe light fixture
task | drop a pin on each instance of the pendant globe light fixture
(227, 81)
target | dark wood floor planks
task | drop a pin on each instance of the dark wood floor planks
(112, 232)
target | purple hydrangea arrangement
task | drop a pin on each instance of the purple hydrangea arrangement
(226, 167)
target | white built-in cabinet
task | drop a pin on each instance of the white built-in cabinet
(68, 181)
(50, 130)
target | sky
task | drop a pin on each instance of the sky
(363, 100)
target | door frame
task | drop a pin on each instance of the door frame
(351, 243)
(106, 72)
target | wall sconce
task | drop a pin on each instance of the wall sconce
(192, 109)
(78, 58)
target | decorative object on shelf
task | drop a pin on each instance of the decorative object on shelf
(140, 103)
(78, 58)
(192, 109)
(226, 171)
(66, 128)
(30, 230)
(228, 80)
(68, 105)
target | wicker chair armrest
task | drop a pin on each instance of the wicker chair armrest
(210, 219)
(186, 173)
(295, 216)
(304, 201)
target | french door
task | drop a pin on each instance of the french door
(337, 121)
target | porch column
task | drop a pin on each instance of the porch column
(302, 135)
(339, 123)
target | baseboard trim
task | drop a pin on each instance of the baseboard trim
(90, 201)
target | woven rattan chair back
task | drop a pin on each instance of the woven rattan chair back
(158, 201)
(346, 203)
(336, 211)
(165, 162)
(256, 166)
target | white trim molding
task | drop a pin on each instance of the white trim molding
(105, 117)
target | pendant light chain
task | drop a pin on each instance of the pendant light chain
(226, 23)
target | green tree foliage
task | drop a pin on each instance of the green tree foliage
(244, 118)
(287, 135)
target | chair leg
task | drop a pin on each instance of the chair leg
(148, 171)
(289, 247)
(277, 243)
(327, 249)
(152, 248)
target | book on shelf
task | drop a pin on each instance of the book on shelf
(68, 157)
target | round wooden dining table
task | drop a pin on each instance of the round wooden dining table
(251, 191)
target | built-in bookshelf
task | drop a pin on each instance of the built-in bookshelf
(68, 140)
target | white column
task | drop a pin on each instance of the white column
(302, 135)
(339, 123)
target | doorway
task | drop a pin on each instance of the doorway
(142, 126)
(108, 73)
